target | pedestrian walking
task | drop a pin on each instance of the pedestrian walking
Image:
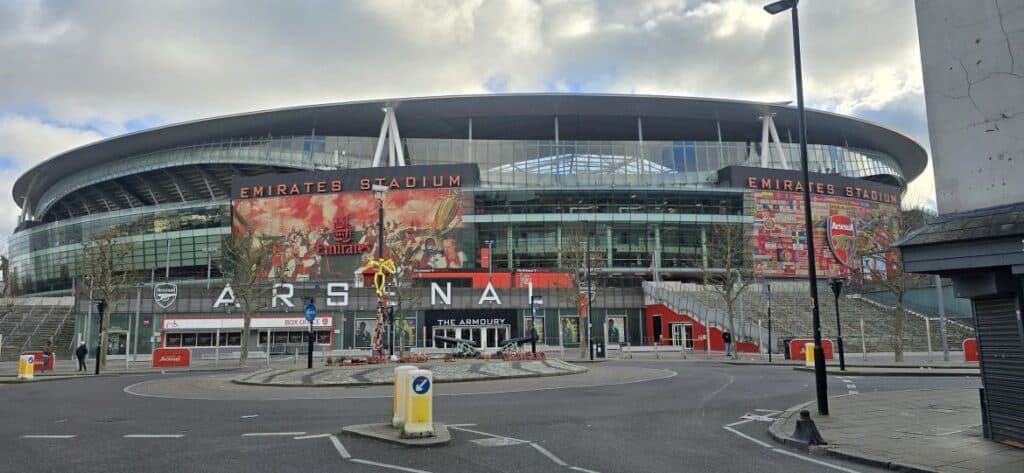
(727, 338)
(80, 353)
(531, 332)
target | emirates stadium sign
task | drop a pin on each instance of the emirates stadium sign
(841, 238)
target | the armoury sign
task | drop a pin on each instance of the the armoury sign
(822, 184)
(350, 180)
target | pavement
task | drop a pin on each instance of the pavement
(895, 371)
(443, 372)
(620, 416)
(914, 430)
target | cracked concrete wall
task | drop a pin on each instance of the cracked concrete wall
(972, 56)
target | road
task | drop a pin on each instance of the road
(669, 416)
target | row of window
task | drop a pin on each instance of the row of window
(234, 339)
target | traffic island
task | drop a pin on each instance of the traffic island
(910, 431)
(388, 433)
(444, 372)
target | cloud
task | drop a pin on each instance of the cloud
(108, 67)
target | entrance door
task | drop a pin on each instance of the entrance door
(682, 334)
(657, 329)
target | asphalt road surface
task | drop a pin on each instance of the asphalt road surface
(653, 416)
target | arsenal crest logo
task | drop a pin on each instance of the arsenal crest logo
(165, 294)
(841, 238)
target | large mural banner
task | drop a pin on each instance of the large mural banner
(840, 225)
(332, 236)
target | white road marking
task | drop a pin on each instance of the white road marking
(752, 439)
(738, 423)
(273, 434)
(584, 470)
(548, 454)
(485, 434)
(461, 425)
(317, 436)
(758, 418)
(339, 447)
(250, 416)
(385, 465)
(818, 462)
(48, 436)
(846, 381)
(154, 436)
(854, 392)
(770, 412)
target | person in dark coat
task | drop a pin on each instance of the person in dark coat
(80, 353)
(727, 338)
(531, 331)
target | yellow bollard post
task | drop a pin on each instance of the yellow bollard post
(400, 391)
(419, 421)
(26, 367)
(809, 354)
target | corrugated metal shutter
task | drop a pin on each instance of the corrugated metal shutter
(1002, 365)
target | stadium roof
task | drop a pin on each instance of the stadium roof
(502, 116)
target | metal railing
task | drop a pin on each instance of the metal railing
(679, 301)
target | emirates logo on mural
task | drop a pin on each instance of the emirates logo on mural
(841, 238)
(342, 231)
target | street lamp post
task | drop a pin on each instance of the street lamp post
(101, 305)
(490, 257)
(837, 288)
(590, 313)
(820, 381)
(534, 302)
(379, 191)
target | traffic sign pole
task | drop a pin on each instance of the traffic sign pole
(310, 316)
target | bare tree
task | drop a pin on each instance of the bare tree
(246, 262)
(574, 260)
(729, 269)
(404, 295)
(106, 257)
(880, 265)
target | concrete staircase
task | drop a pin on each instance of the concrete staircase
(27, 323)
(791, 316)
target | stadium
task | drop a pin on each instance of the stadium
(489, 198)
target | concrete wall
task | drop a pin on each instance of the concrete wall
(972, 56)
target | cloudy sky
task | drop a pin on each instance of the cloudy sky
(75, 72)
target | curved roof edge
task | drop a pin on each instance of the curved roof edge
(597, 115)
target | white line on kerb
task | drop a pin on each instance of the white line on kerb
(273, 434)
(339, 447)
(385, 465)
(488, 435)
(154, 436)
(317, 436)
(819, 462)
(752, 439)
(548, 454)
(48, 436)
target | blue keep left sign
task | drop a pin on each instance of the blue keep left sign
(421, 385)
(310, 312)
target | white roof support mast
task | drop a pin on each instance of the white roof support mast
(389, 134)
(768, 128)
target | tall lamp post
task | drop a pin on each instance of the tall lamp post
(820, 380)
(837, 288)
(101, 305)
(379, 192)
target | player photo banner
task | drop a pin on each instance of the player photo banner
(318, 237)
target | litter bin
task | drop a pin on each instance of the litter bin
(599, 349)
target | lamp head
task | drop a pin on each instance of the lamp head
(779, 6)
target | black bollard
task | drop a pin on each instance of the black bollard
(806, 432)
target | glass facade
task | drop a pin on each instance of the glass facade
(632, 198)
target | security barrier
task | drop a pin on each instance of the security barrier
(419, 421)
(400, 391)
(26, 367)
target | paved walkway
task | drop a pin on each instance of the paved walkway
(927, 430)
(363, 375)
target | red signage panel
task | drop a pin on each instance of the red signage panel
(971, 350)
(39, 360)
(798, 350)
(172, 358)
